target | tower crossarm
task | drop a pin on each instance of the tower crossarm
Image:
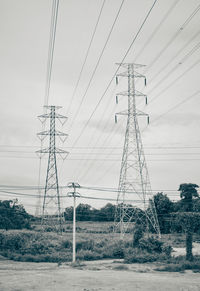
(60, 117)
(134, 75)
(138, 113)
(127, 65)
(56, 132)
(49, 150)
(135, 93)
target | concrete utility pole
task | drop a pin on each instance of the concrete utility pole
(74, 194)
(134, 191)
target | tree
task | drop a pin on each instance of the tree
(108, 212)
(83, 212)
(13, 215)
(188, 193)
(68, 214)
(163, 206)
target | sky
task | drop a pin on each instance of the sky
(168, 45)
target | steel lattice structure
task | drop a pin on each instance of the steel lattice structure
(51, 208)
(134, 181)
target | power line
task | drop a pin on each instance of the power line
(111, 147)
(171, 60)
(97, 64)
(96, 143)
(174, 81)
(119, 154)
(104, 159)
(169, 12)
(156, 29)
(176, 106)
(147, 42)
(183, 59)
(86, 56)
(53, 26)
(124, 57)
(182, 27)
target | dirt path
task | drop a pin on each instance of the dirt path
(93, 276)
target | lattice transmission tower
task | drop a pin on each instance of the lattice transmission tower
(134, 190)
(51, 207)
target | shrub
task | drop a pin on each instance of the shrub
(88, 255)
(85, 245)
(117, 250)
(137, 235)
(12, 242)
(139, 256)
(121, 268)
(179, 264)
(151, 244)
(67, 244)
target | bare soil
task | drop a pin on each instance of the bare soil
(181, 251)
(92, 276)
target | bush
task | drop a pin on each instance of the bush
(112, 250)
(11, 242)
(88, 255)
(153, 245)
(137, 235)
(117, 250)
(139, 256)
(67, 244)
(147, 250)
(121, 268)
(85, 245)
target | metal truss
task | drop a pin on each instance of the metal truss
(51, 208)
(134, 181)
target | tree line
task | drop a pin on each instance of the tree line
(168, 211)
(170, 214)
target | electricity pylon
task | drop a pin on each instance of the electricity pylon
(51, 208)
(134, 190)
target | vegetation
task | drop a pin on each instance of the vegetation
(188, 219)
(13, 215)
(28, 245)
(179, 264)
(85, 212)
(182, 218)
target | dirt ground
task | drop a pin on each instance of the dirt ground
(92, 276)
(181, 251)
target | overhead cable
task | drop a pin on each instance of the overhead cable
(86, 56)
(97, 64)
(124, 57)
(54, 16)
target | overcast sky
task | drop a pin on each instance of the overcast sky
(169, 46)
